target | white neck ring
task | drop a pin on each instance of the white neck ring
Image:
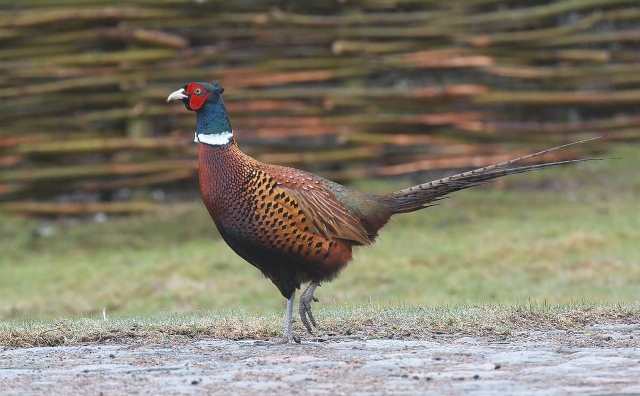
(216, 139)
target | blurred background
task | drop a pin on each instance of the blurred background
(98, 205)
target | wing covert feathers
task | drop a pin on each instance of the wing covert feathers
(328, 217)
(325, 215)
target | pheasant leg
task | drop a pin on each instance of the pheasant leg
(306, 316)
(287, 330)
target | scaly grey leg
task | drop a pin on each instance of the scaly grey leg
(288, 336)
(306, 316)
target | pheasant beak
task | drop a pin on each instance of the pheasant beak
(177, 95)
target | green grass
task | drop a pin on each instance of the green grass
(560, 236)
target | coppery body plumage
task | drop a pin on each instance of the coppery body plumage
(288, 223)
(294, 226)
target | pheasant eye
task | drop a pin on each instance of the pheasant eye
(197, 91)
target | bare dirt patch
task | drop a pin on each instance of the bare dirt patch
(599, 358)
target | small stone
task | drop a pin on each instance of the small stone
(100, 217)
(415, 377)
(497, 366)
(476, 377)
(111, 355)
(195, 382)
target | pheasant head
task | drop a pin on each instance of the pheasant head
(212, 121)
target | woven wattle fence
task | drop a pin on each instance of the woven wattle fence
(348, 89)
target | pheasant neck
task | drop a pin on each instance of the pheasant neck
(212, 125)
(220, 170)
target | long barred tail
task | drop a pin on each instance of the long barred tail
(424, 195)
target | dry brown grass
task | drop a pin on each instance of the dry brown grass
(365, 322)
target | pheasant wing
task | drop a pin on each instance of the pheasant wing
(327, 216)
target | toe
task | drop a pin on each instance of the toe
(311, 318)
(303, 317)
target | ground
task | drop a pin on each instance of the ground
(489, 350)
(600, 359)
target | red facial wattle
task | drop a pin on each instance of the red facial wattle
(198, 96)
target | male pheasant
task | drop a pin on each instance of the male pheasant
(292, 225)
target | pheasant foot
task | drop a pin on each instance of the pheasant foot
(306, 316)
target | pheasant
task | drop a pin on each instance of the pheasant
(294, 226)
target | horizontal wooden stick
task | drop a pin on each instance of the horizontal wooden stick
(144, 36)
(566, 73)
(8, 189)
(354, 18)
(440, 59)
(620, 36)
(519, 16)
(339, 155)
(61, 85)
(537, 127)
(532, 35)
(102, 145)
(75, 209)
(52, 16)
(136, 182)
(549, 98)
(97, 170)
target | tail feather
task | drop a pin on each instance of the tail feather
(424, 195)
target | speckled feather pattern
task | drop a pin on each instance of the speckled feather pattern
(286, 222)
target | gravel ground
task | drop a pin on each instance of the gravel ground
(602, 359)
